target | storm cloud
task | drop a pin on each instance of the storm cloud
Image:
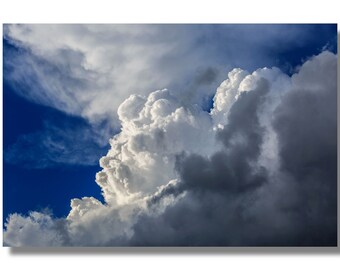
(259, 169)
(230, 200)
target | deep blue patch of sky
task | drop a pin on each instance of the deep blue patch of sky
(286, 55)
(32, 188)
(27, 188)
(322, 37)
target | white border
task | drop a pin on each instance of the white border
(175, 11)
(169, 11)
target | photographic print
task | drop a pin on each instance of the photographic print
(170, 135)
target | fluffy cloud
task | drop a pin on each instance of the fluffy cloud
(258, 169)
(143, 154)
(234, 197)
(37, 229)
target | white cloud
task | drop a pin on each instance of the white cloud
(38, 229)
(88, 70)
(154, 130)
(141, 163)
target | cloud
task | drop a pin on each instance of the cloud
(231, 168)
(143, 154)
(259, 169)
(230, 200)
(88, 70)
(37, 229)
(306, 126)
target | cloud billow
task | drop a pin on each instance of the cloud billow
(259, 169)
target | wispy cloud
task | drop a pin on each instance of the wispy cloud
(88, 70)
(58, 144)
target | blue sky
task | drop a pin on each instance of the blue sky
(52, 185)
(52, 147)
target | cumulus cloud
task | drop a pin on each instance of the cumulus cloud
(259, 169)
(37, 229)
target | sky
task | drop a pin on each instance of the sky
(115, 132)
